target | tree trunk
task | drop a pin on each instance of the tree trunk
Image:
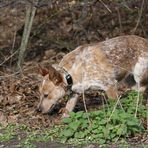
(30, 13)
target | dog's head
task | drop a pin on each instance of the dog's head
(51, 89)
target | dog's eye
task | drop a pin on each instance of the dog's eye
(45, 95)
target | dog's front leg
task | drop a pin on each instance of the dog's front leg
(70, 105)
(112, 92)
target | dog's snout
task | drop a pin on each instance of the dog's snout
(39, 109)
(45, 95)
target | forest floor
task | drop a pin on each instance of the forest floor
(18, 102)
(56, 31)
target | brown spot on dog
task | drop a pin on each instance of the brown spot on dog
(55, 76)
(112, 93)
(42, 71)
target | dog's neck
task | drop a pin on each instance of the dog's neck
(68, 78)
(68, 81)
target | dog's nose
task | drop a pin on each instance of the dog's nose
(45, 95)
(39, 109)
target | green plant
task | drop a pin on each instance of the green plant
(7, 133)
(105, 126)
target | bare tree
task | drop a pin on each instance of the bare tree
(30, 13)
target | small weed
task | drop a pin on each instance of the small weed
(7, 133)
(40, 136)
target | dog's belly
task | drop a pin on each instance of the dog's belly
(89, 85)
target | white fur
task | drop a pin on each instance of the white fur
(140, 68)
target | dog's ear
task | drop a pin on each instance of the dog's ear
(55, 75)
(43, 71)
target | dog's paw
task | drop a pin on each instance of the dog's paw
(65, 113)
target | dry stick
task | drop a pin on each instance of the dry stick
(84, 101)
(118, 100)
(14, 38)
(139, 18)
(30, 13)
(119, 17)
(83, 95)
(138, 98)
(105, 6)
(10, 75)
(8, 57)
(13, 44)
(114, 109)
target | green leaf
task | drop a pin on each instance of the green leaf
(80, 134)
(85, 115)
(95, 131)
(103, 122)
(79, 114)
(72, 114)
(68, 133)
(100, 135)
(74, 125)
(106, 132)
(112, 135)
(84, 125)
(66, 120)
(131, 123)
(87, 132)
(119, 131)
(102, 141)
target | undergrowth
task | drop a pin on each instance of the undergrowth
(115, 123)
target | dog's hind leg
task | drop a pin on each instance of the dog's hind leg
(70, 105)
(141, 73)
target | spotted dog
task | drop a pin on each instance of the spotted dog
(98, 66)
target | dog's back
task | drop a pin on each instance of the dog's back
(123, 52)
(101, 65)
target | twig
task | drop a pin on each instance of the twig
(14, 40)
(84, 102)
(1, 77)
(138, 98)
(119, 18)
(118, 100)
(139, 18)
(8, 58)
(105, 6)
(83, 95)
